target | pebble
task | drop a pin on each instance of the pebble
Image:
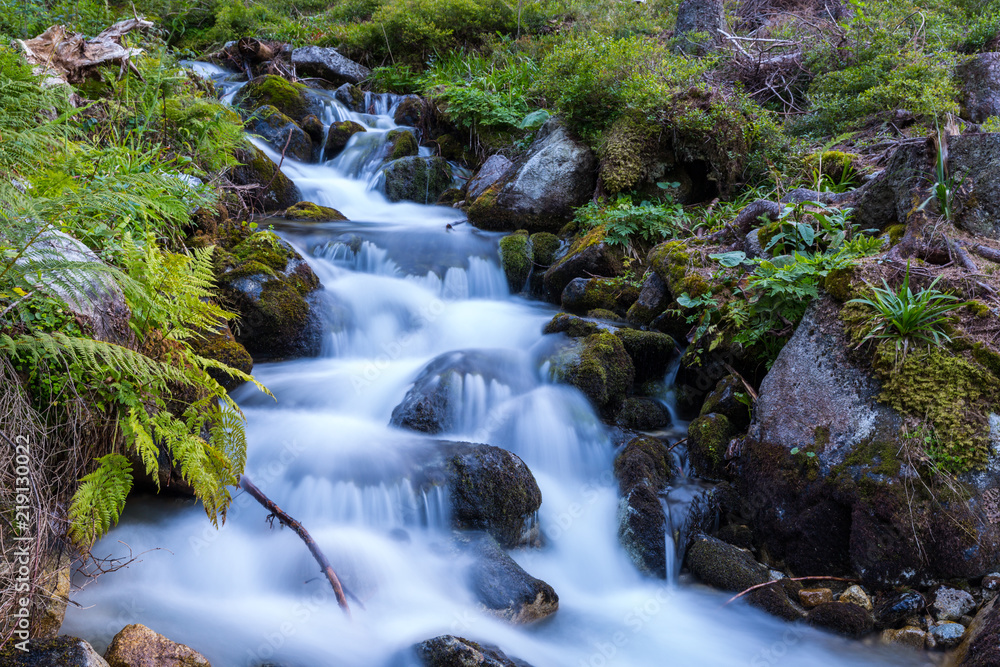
(946, 635)
(951, 604)
(856, 595)
(896, 607)
(907, 636)
(811, 597)
(991, 582)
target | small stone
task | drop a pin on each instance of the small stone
(991, 582)
(894, 608)
(966, 620)
(811, 597)
(856, 595)
(947, 635)
(907, 636)
(951, 604)
(843, 618)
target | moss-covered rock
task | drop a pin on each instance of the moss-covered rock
(515, 259)
(653, 299)
(840, 167)
(138, 646)
(410, 111)
(643, 414)
(292, 99)
(351, 97)
(400, 144)
(729, 398)
(418, 179)
(672, 262)
(571, 325)
(280, 132)
(221, 345)
(588, 255)
(643, 469)
(338, 136)
(449, 651)
(599, 366)
(313, 127)
(708, 439)
(309, 212)
(275, 192)
(651, 352)
(582, 295)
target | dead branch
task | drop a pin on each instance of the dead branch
(778, 581)
(314, 549)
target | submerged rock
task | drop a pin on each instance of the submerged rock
(451, 651)
(138, 646)
(599, 366)
(418, 179)
(504, 588)
(540, 190)
(64, 651)
(326, 63)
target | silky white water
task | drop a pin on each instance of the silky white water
(401, 289)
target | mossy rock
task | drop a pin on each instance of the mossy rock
(313, 127)
(450, 197)
(310, 212)
(138, 645)
(653, 299)
(515, 259)
(725, 399)
(544, 246)
(277, 191)
(643, 414)
(221, 345)
(292, 99)
(411, 111)
(582, 295)
(672, 261)
(351, 97)
(651, 352)
(280, 132)
(599, 366)
(604, 314)
(626, 151)
(708, 439)
(338, 136)
(418, 179)
(588, 255)
(451, 148)
(400, 144)
(838, 166)
(841, 285)
(643, 469)
(571, 325)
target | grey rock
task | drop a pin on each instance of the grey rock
(64, 651)
(643, 469)
(947, 635)
(351, 97)
(326, 63)
(492, 171)
(951, 604)
(894, 608)
(451, 651)
(980, 84)
(974, 161)
(653, 300)
(275, 192)
(540, 191)
(504, 588)
(418, 179)
(279, 131)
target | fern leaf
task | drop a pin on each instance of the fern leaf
(100, 499)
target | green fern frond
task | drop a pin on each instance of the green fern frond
(100, 499)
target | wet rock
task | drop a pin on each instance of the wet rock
(279, 131)
(572, 326)
(980, 84)
(313, 127)
(843, 618)
(492, 171)
(325, 63)
(451, 651)
(909, 636)
(275, 190)
(545, 246)
(652, 300)
(582, 295)
(737, 534)
(813, 597)
(894, 608)
(588, 256)
(856, 595)
(947, 635)
(651, 353)
(292, 99)
(95, 299)
(541, 189)
(338, 136)
(981, 646)
(951, 604)
(991, 582)
(309, 212)
(643, 414)
(730, 568)
(400, 144)
(491, 490)
(504, 588)
(643, 469)
(351, 97)
(515, 260)
(138, 646)
(418, 179)
(708, 440)
(64, 651)
(270, 286)
(411, 111)
(724, 400)
(599, 366)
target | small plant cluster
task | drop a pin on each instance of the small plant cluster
(633, 226)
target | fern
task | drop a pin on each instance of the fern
(100, 499)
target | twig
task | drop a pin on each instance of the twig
(777, 581)
(314, 549)
(277, 170)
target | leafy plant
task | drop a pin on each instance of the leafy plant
(907, 318)
(627, 224)
(944, 186)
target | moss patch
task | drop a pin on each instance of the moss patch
(626, 152)
(544, 246)
(310, 212)
(338, 136)
(289, 98)
(515, 259)
(708, 439)
(400, 144)
(600, 367)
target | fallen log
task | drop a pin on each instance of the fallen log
(314, 549)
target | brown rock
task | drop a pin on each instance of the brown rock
(138, 646)
(908, 636)
(812, 597)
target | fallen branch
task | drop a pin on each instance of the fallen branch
(963, 257)
(777, 581)
(314, 549)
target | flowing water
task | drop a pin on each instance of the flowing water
(406, 284)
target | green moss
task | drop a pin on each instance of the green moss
(626, 151)
(287, 97)
(693, 285)
(338, 136)
(604, 294)
(419, 179)
(310, 212)
(708, 439)
(767, 232)
(400, 144)
(671, 262)
(986, 358)
(515, 259)
(451, 148)
(263, 248)
(839, 284)
(582, 242)
(979, 309)
(880, 458)
(600, 367)
(603, 314)
(895, 233)
(450, 197)
(571, 325)
(833, 164)
(544, 246)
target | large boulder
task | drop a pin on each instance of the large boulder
(492, 171)
(417, 179)
(599, 366)
(270, 286)
(138, 646)
(589, 255)
(503, 587)
(980, 81)
(280, 132)
(64, 651)
(643, 469)
(541, 189)
(451, 651)
(292, 99)
(327, 64)
(272, 190)
(826, 473)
